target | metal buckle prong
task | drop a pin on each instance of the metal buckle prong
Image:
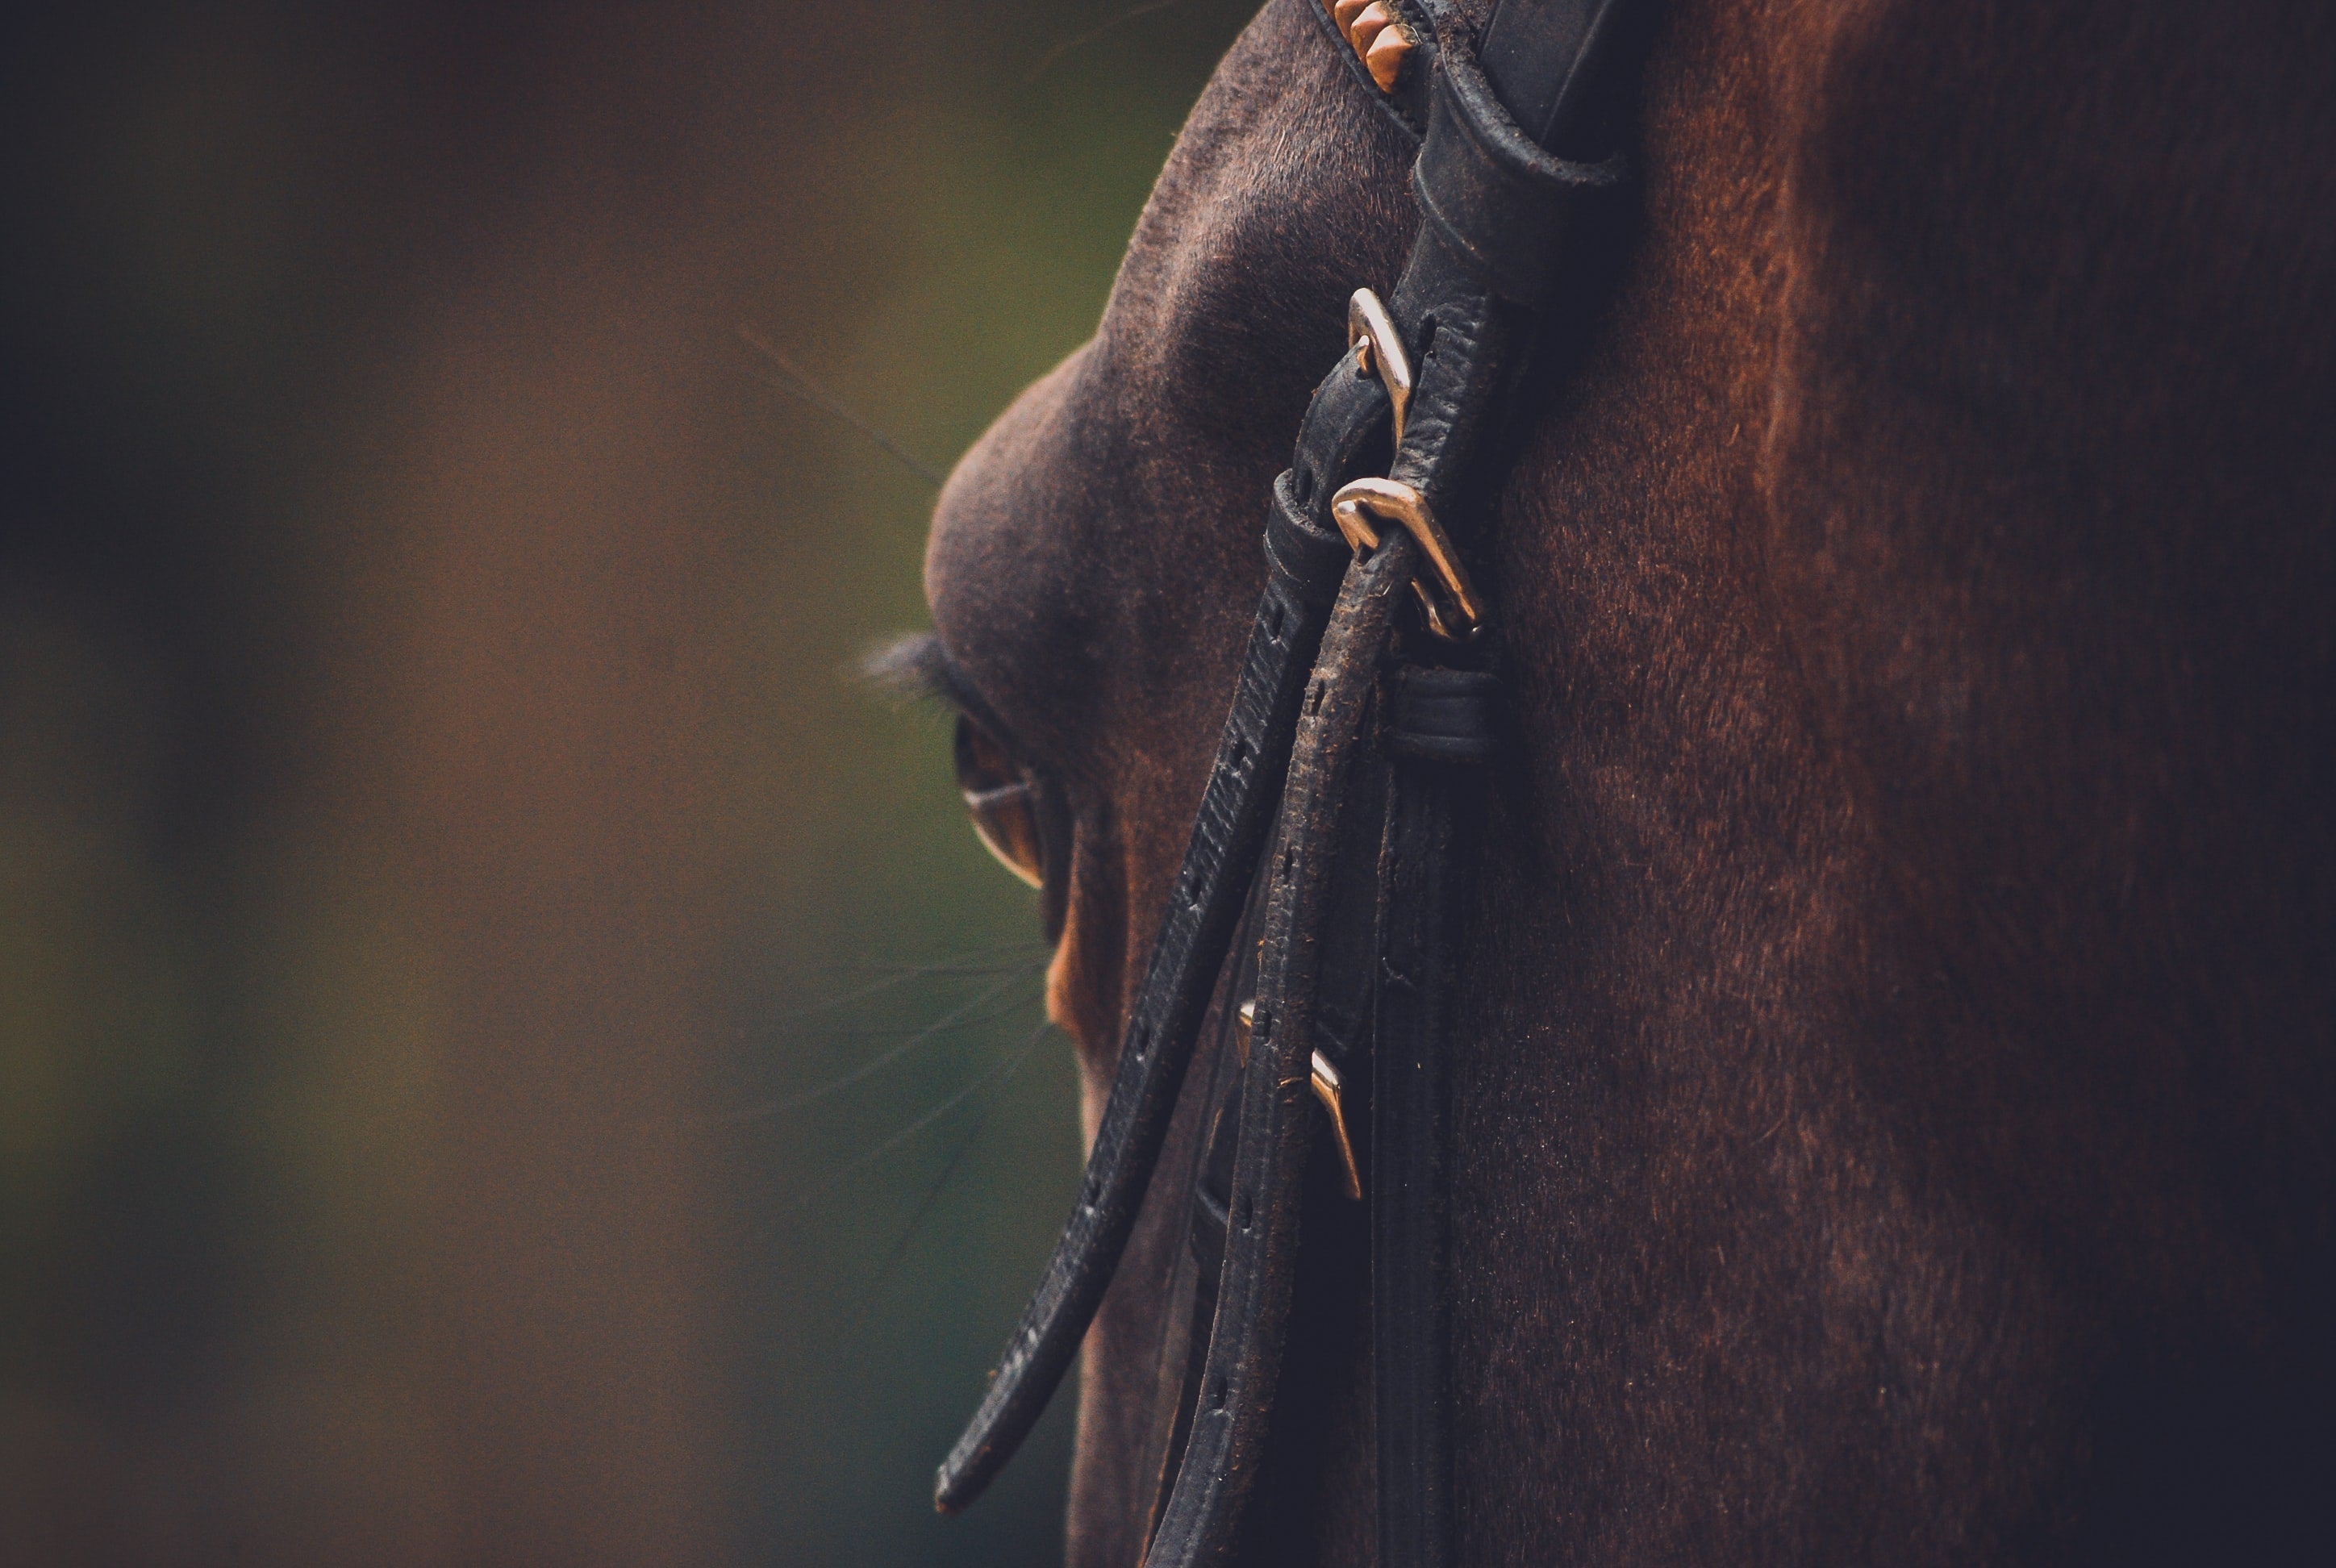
(1368, 324)
(1454, 613)
(1330, 1091)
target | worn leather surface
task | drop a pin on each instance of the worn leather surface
(1498, 201)
(1228, 1425)
(1497, 209)
(1209, 1183)
(1345, 984)
(1439, 713)
(1306, 561)
(1210, 891)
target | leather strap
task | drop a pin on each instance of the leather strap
(1497, 208)
(1306, 561)
(1559, 69)
(1199, 1261)
(1277, 1116)
(1345, 996)
(1497, 201)
(1438, 734)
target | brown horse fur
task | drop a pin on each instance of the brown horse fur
(1894, 1098)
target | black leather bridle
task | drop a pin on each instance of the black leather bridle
(1357, 737)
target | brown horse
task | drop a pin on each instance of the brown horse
(1892, 1095)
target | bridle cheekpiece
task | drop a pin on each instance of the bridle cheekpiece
(1339, 821)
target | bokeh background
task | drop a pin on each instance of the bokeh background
(508, 1052)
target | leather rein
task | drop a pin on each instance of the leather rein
(1350, 770)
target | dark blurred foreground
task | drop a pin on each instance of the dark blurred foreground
(439, 846)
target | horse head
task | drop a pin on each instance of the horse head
(1890, 1084)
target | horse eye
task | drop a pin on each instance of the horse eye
(1003, 800)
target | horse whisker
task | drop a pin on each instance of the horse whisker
(934, 966)
(956, 1157)
(998, 1073)
(793, 379)
(874, 1063)
(954, 1024)
(899, 975)
(1082, 40)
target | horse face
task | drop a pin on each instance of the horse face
(1094, 564)
(1896, 1007)
(1094, 561)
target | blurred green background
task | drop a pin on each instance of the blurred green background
(443, 852)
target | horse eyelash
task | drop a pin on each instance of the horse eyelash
(915, 668)
(918, 668)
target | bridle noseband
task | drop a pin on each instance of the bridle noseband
(1357, 737)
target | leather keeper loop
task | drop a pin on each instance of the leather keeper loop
(1314, 562)
(1438, 715)
(1497, 200)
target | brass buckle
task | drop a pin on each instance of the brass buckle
(1454, 613)
(1368, 324)
(1324, 1079)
